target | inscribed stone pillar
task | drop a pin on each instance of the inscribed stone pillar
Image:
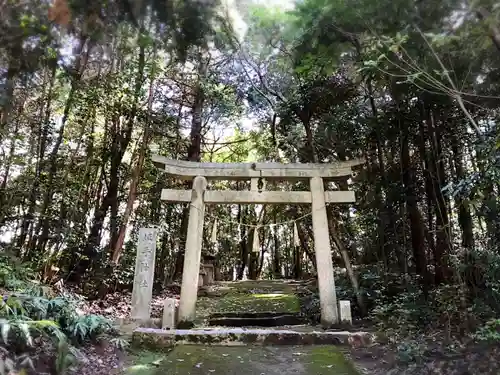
(144, 274)
(324, 265)
(192, 256)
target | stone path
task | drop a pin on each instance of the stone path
(216, 360)
(172, 352)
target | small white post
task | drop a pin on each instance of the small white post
(168, 321)
(142, 291)
(345, 312)
(192, 255)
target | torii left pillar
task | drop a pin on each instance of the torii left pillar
(192, 254)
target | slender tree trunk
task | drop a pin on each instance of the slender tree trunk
(194, 150)
(297, 255)
(276, 253)
(135, 180)
(44, 222)
(6, 174)
(120, 141)
(443, 243)
(464, 215)
(385, 222)
(254, 255)
(305, 117)
(428, 179)
(41, 136)
(414, 216)
(243, 243)
(305, 244)
(13, 71)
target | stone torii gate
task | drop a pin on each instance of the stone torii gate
(317, 197)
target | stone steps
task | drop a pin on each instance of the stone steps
(265, 319)
(158, 339)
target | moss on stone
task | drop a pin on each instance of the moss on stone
(329, 360)
(144, 362)
(183, 360)
(275, 302)
(248, 297)
(148, 341)
(241, 360)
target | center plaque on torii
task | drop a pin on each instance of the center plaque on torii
(317, 197)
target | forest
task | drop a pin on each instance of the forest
(89, 91)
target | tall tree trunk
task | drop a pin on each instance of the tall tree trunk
(120, 140)
(423, 136)
(305, 118)
(385, 223)
(135, 177)
(194, 150)
(443, 242)
(6, 174)
(464, 215)
(41, 136)
(44, 222)
(297, 262)
(305, 244)
(242, 243)
(414, 216)
(276, 252)
(13, 70)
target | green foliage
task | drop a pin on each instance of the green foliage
(31, 316)
(13, 273)
(490, 331)
(406, 313)
(119, 343)
(88, 327)
(400, 308)
(26, 319)
(410, 351)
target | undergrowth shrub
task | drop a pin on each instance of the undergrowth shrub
(398, 304)
(489, 332)
(14, 274)
(406, 312)
(36, 323)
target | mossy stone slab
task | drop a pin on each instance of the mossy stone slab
(157, 339)
(248, 360)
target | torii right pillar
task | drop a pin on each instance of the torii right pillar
(322, 249)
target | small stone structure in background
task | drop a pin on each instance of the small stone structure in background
(208, 270)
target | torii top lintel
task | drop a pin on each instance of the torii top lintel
(244, 171)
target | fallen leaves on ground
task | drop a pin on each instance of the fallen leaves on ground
(436, 358)
(99, 360)
(118, 305)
